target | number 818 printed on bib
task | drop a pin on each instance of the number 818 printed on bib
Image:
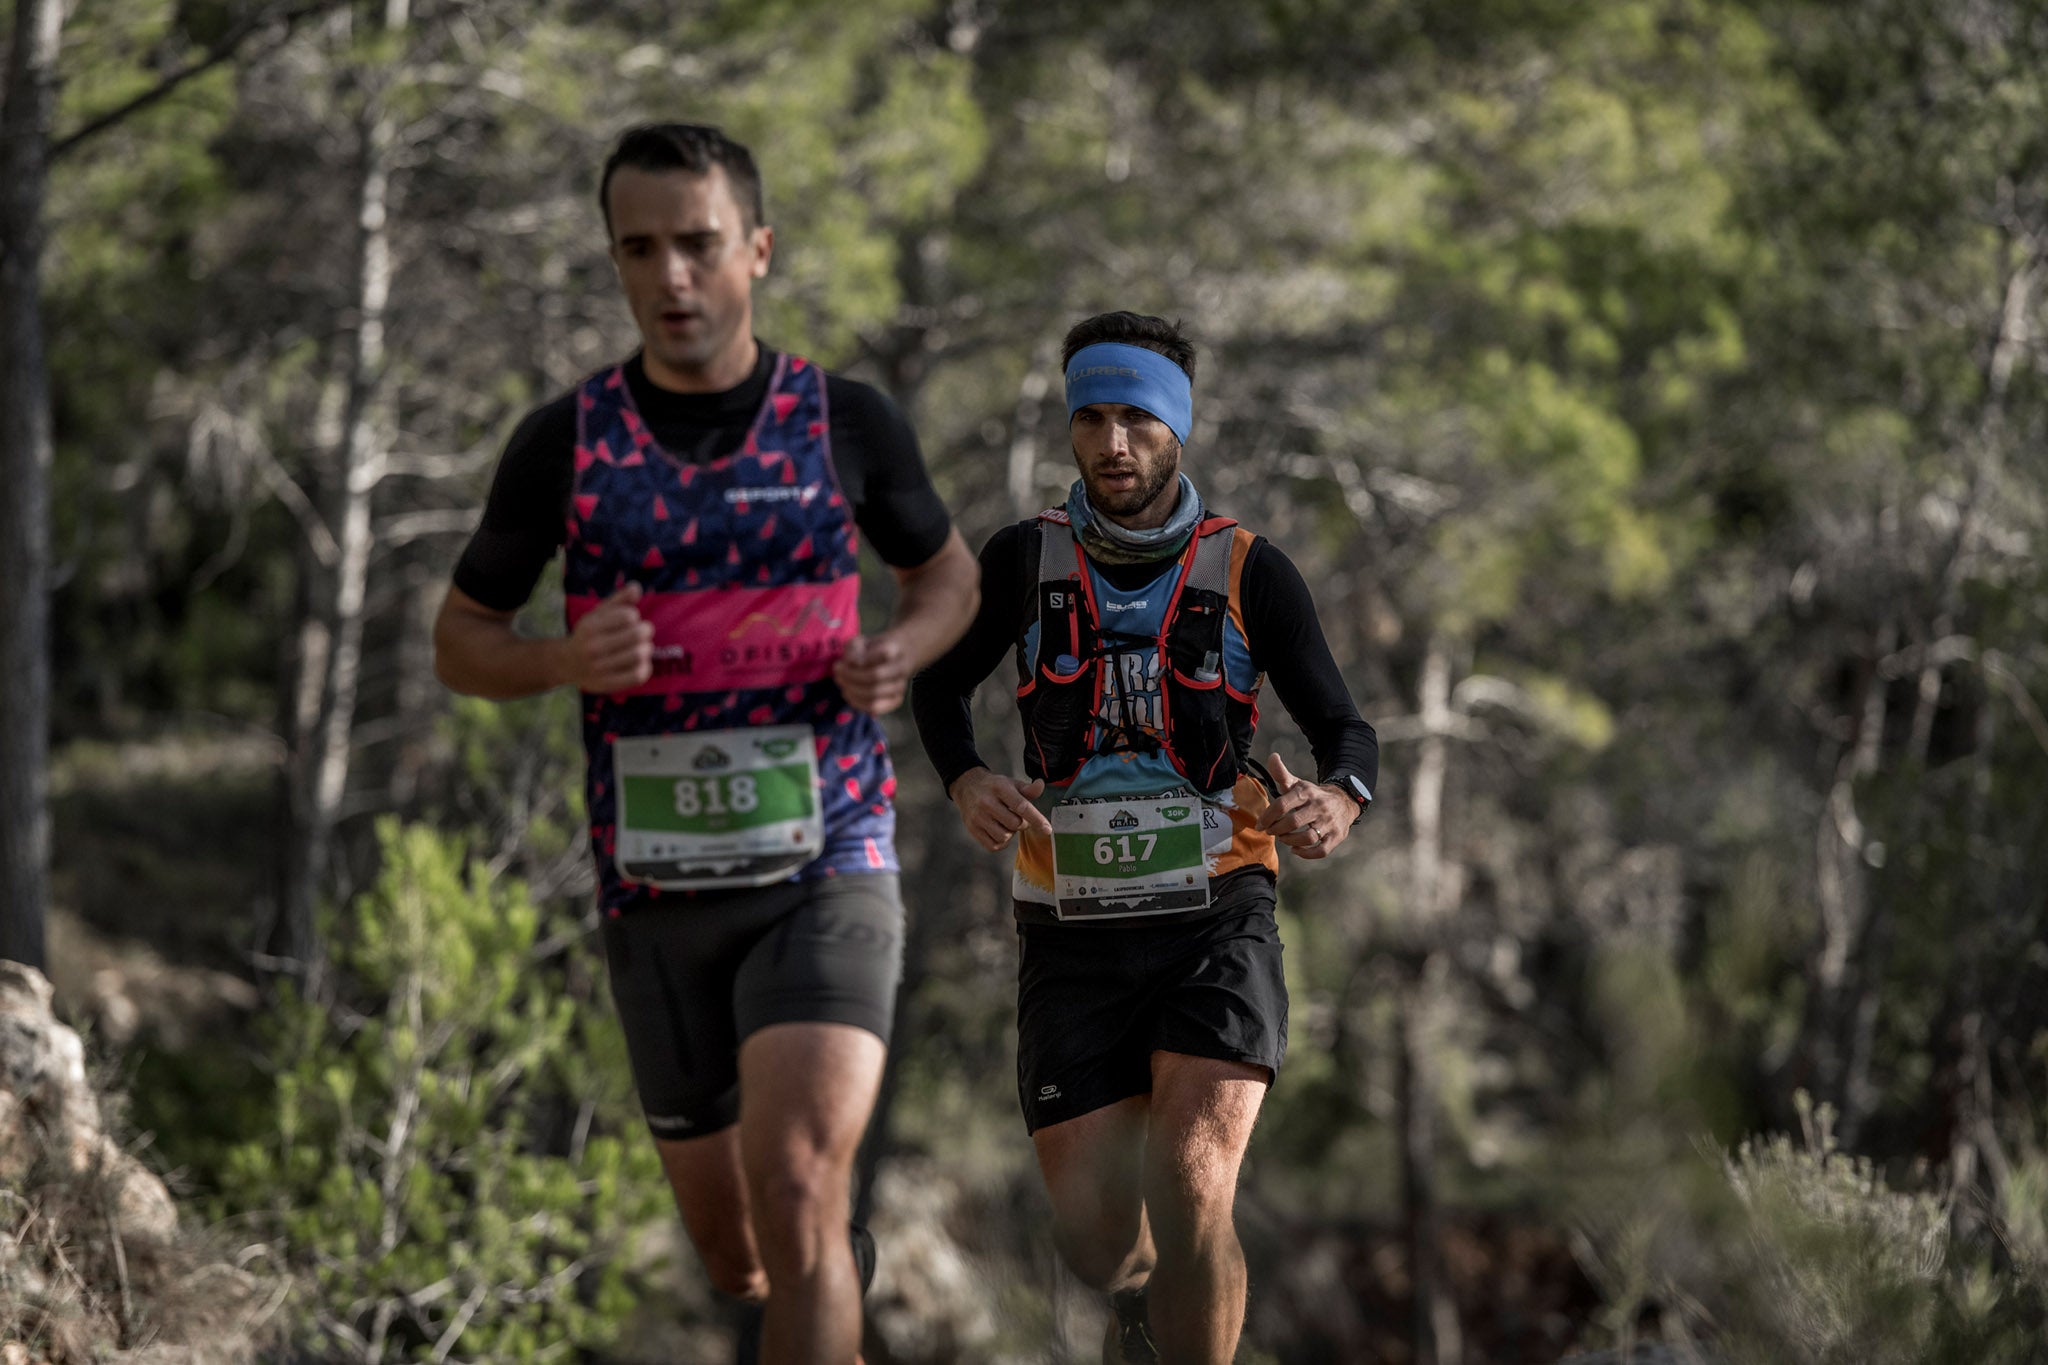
(719, 808)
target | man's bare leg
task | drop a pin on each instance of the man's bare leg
(711, 1195)
(1093, 1168)
(1201, 1120)
(806, 1091)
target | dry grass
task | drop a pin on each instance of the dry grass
(74, 1291)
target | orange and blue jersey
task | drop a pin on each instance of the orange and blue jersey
(1129, 691)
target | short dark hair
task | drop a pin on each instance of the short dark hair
(692, 147)
(1133, 329)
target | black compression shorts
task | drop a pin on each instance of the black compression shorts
(1095, 1001)
(694, 976)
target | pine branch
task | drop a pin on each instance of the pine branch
(223, 49)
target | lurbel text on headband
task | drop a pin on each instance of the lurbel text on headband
(1116, 372)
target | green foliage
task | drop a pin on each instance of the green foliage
(1804, 1254)
(1848, 1269)
(521, 773)
(121, 286)
(451, 1155)
(1648, 353)
(1637, 995)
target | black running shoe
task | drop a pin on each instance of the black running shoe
(746, 1341)
(1129, 1339)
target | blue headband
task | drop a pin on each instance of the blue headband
(1112, 372)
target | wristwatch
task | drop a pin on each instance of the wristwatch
(1352, 786)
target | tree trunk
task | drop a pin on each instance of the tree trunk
(1979, 1172)
(1434, 1314)
(321, 766)
(304, 671)
(1857, 919)
(1023, 461)
(25, 454)
(1844, 850)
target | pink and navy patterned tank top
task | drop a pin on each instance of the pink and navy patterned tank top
(748, 572)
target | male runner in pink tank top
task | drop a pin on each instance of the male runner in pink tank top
(707, 494)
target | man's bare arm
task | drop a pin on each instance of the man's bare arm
(938, 599)
(477, 651)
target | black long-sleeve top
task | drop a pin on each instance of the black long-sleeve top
(1280, 626)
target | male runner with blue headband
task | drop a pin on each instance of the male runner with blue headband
(1151, 1008)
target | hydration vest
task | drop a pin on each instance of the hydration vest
(1070, 696)
(749, 570)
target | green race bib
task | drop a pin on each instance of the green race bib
(717, 808)
(1126, 856)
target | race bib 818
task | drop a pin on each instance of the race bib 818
(717, 808)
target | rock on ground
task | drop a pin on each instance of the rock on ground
(94, 1266)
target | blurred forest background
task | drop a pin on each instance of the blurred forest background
(1653, 391)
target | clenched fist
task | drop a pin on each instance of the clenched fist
(1306, 816)
(873, 673)
(612, 648)
(994, 807)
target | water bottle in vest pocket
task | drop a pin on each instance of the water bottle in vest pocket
(1057, 700)
(1197, 723)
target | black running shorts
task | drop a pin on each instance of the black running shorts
(693, 976)
(1095, 1001)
